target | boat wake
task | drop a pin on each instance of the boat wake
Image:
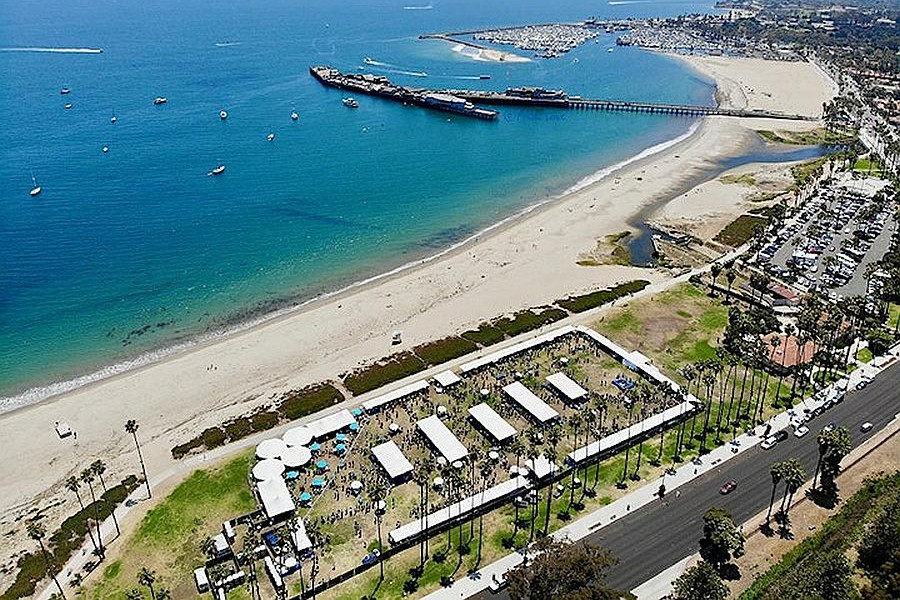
(428, 7)
(377, 63)
(227, 44)
(55, 50)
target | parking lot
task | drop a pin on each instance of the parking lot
(827, 245)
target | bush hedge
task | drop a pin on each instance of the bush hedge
(435, 353)
(65, 541)
(526, 320)
(577, 304)
(292, 405)
(485, 335)
(392, 368)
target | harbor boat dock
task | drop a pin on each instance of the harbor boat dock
(464, 102)
(375, 85)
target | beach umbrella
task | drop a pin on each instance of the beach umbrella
(340, 448)
(315, 447)
(305, 497)
(441, 410)
(441, 461)
(322, 465)
(356, 486)
(291, 475)
(269, 468)
(318, 482)
(494, 455)
(457, 464)
(296, 456)
(356, 412)
(354, 426)
(341, 437)
(272, 448)
(298, 436)
(394, 428)
(485, 392)
(438, 483)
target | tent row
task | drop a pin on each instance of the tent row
(616, 440)
(460, 509)
(534, 342)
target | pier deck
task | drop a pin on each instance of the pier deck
(464, 102)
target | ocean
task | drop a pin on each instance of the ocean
(130, 253)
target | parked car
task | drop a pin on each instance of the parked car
(371, 557)
(768, 443)
(801, 431)
(729, 487)
(866, 427)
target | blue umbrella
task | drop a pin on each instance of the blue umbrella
(291, 475)
(341, 437)
(305, 497)
(354, 427)
(356, 412)
(315, 447)
(318, 482)
(322, 464)
(340, 448)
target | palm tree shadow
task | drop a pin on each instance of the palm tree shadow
(766, 529)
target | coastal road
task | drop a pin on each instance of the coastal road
(655, 537)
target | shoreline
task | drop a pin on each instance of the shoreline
(288, 307)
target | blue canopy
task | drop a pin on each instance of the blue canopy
(356, 412)
(318, 482)
(322, 464)
(341, 437)
(354, 427)
(305, 497)
(292, 475)
(340, 448)
(315, 447)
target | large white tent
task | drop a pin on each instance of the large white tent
(275, 497)
(272, 448)
(381, 401)
(442, 439)
(447, 378)
(330, 424)
(298, 436)
(296, 457)
(537, 408)
(491, 422)
(392, 460)
(269, 468)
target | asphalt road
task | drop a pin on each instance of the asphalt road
(660, 534)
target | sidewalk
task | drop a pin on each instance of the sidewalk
(647, 493)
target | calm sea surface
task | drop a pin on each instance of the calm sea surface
(133, 250)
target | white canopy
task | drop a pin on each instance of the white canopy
(272, 448)
(392, 460)
(390, 397)
(296, 456)
(537, 408)
(568, 388)
(298, 436)
(534, 342)
(447, 378)
(332, 423)
(541, 467)
(442, 438)
(269, 468)
(275, 497)
(299, 538)
(493, 423)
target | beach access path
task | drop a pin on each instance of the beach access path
(529, 261)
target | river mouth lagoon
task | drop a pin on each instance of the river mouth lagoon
(132, 250)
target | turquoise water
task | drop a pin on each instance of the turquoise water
(132, 250)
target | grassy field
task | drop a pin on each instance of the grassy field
(740, 230)
(168, 538)
(868, 166)
(806, 138)
(746, 179)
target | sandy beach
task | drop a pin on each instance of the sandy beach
(527, 262)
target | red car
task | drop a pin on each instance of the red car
(728, 487)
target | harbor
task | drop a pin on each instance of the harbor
(463, 102)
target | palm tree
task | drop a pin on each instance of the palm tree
(134, 594)
(247, 558)
(550, 454)
(377, 492)
(794, 476)
(163, 594)
(73, 485)
(37, 532)
(486, 469)
(622, 483)
(147, 578)
(777, 472)
(87, 476)
(99, 468)
(131, 426)
(715, 269)
(533, 453)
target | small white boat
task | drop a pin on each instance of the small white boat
(65, 91)
(294, 115)
(609, 49)
(218, 170)
(36, 189)
(68, 106)
(270, 137)
(113, 119)
(350, 103)
(223, 114)
(160, 100)
(105, 149)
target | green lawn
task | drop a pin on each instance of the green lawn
(864, 355)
